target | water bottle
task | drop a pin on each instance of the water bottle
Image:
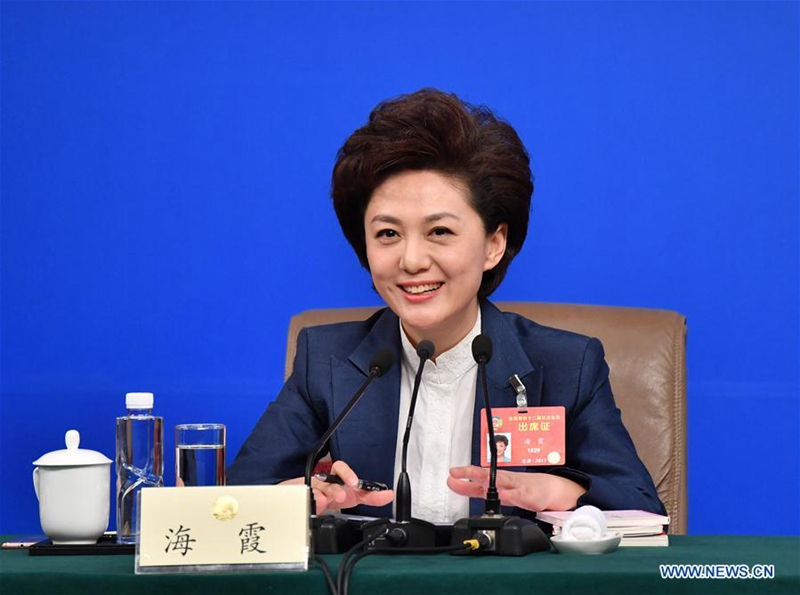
(140, 460)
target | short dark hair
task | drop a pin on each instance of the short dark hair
(433, 130)
(501, 438)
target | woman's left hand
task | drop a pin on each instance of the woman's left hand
(531, 491)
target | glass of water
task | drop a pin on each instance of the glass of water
(200, 455)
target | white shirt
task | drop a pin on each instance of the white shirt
(441, 433)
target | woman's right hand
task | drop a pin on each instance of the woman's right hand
(331, 496)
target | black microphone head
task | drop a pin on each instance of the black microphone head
(381, 362)
(425, 350)
(482, 348)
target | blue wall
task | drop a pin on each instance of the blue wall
(165, 210)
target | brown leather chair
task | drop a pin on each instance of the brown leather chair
(646, 352)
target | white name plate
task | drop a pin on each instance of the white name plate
(223, 528)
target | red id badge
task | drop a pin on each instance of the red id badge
(533, 438)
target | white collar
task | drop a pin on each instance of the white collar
(450, 365)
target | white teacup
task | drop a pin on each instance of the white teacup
(73, 490)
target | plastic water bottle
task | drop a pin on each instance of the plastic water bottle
(140, 460)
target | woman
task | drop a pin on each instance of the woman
(434, 195)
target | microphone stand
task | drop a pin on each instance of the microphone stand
(406, 531)
(497, 534)
(332, 534)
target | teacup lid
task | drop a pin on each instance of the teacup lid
(72, 456)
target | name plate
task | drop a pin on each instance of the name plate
(223, 528)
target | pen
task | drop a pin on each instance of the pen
(363, 484)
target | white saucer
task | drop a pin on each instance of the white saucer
(596, 546)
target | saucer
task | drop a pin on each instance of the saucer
(604, 545)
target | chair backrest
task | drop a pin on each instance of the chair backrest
(646, 353)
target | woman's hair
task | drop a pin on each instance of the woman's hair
(432, 130)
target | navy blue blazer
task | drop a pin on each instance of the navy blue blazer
(557, 368)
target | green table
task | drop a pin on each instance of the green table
(631, 570)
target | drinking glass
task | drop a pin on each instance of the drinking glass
(200, 455)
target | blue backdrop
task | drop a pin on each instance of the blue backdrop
(165, 209)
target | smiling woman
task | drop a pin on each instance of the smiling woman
(427, 251)
(434, 196)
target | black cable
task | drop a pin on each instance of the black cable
(326, 572)
(343, 563)
(424, 550)
(346, 573)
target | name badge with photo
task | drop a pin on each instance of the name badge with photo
(533, 438)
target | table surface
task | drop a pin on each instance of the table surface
(632, 570)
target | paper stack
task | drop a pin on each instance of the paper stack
(637, 527)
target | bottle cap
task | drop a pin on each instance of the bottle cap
(139, 400)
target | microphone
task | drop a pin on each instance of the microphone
(381, 362)
(405, 532)
(482, 349)
(327, 531)
(493, 532)
(482, 352)
(402, 494)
